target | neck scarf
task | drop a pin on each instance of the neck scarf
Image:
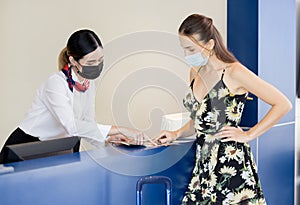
(73, 84)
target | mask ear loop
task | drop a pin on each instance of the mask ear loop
(211, 52)
(76, 67)
(78, 71)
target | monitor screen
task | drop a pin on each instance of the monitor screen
(39, 149)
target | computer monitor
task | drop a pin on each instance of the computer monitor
(39, 149)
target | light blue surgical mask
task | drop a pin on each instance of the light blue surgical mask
(196, 60)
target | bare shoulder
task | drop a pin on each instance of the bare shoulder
(236, 70)
(240, 79)
(237, 77)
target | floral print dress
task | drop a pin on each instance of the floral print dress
(225, 172)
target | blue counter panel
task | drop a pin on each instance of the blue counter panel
(93, 177)
(276, 165)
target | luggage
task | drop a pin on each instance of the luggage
(154, 180)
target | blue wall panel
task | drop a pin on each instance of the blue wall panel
(277, 65)
(270, 25)
(277, 49)
(242, 41)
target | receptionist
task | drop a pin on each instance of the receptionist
(64, 105)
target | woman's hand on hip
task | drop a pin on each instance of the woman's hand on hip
(236, 134)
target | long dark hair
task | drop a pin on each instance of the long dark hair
(79, 44)
(203, 26)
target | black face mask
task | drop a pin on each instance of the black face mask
(91, 72)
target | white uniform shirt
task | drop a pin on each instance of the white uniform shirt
(57, 112)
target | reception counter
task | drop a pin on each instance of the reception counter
(106, 175)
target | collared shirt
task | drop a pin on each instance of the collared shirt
(57, 112)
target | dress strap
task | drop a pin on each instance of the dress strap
(223, 72)
(192, 84)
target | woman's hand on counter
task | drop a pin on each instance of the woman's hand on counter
(127, 135)
(165, 137)
(118, 139)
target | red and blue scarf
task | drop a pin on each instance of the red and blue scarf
(67, 70)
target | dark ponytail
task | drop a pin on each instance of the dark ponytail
(202, 26)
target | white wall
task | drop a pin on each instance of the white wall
(33, 33)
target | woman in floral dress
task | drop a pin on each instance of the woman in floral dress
(225, 172)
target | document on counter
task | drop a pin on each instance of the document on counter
(150, 144)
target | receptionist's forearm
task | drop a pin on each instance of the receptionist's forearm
(115, 130)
